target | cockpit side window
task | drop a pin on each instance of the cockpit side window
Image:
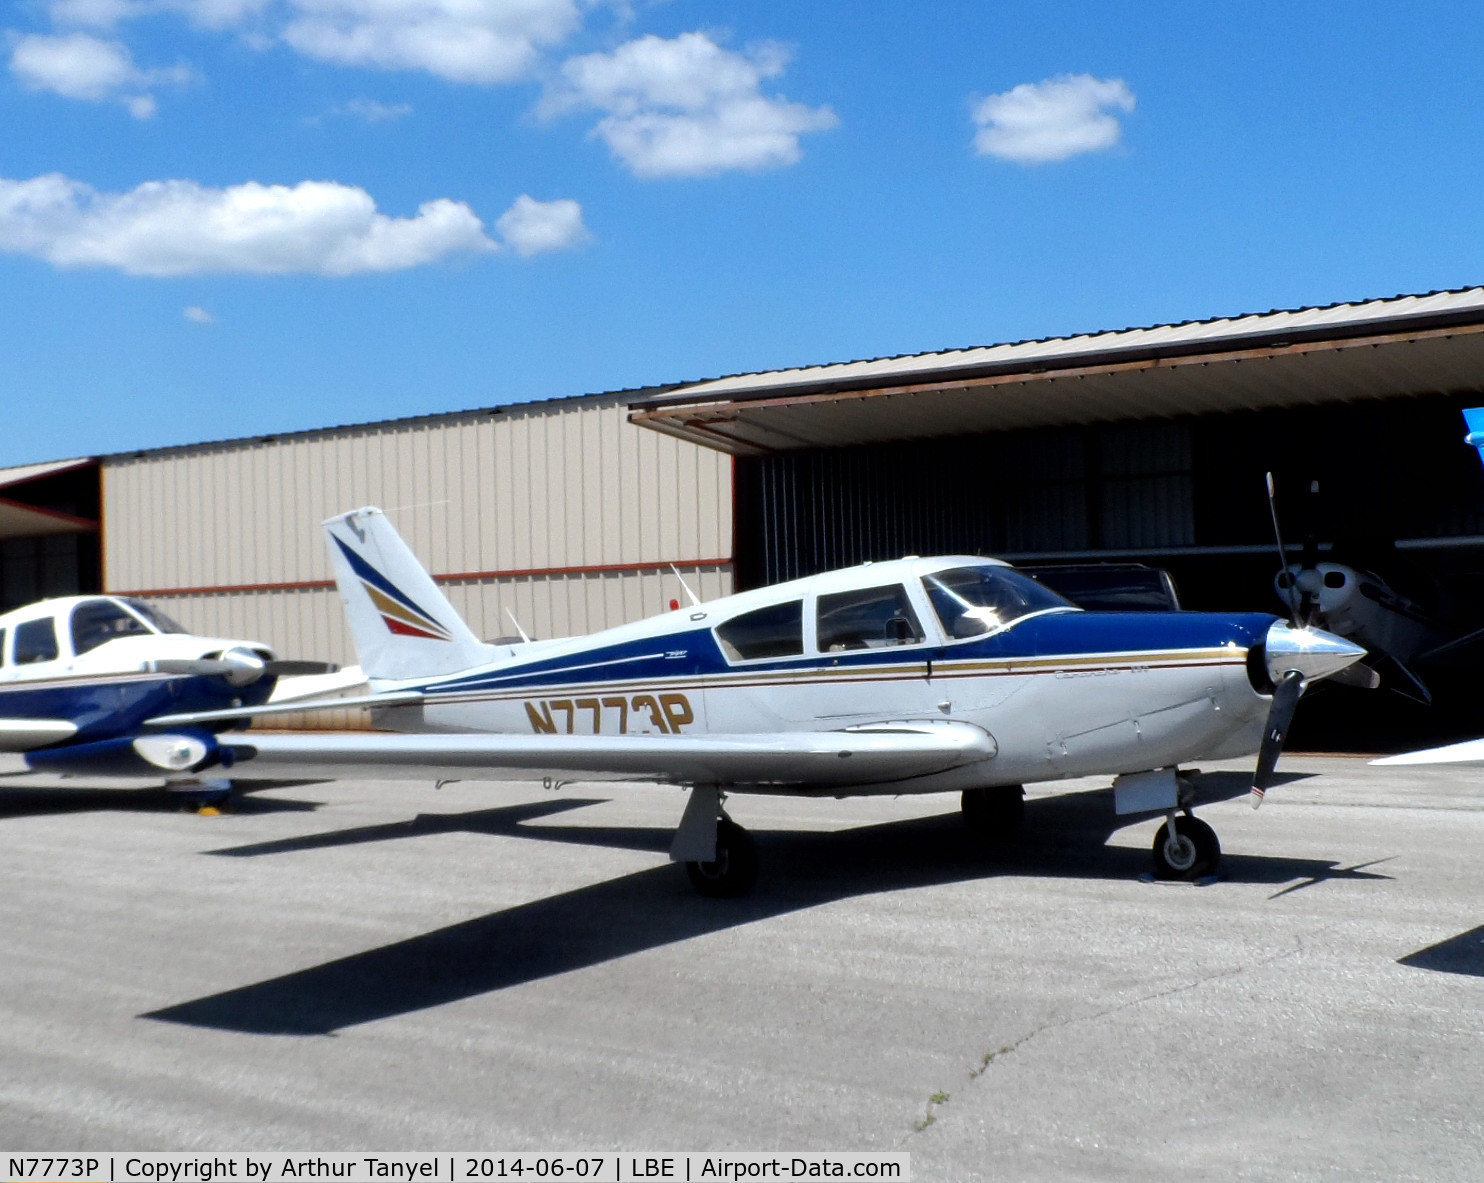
(972, 601)
(867, 618)
(774, 631)
(35, 640)
(97, 621)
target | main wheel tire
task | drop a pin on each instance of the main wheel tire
(733, 871)
(994, 812)
(1196, 853)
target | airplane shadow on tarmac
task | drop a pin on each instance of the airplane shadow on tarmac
(1463, 954)
(1064, 837)
(40, 800)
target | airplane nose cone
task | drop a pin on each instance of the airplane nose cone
(1313, 652)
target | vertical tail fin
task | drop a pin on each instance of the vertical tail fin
(1474, 418)
(402, 624)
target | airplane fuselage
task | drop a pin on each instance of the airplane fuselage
(1062, 692)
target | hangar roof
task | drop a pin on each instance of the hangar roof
(1405, 345)
(20, 520)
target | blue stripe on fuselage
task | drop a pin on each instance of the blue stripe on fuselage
(1055, 634)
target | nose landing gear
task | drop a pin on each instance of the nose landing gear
(1185, 848)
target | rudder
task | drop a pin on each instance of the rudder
(401, 622)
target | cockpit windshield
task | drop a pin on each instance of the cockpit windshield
(972, 601)
(152, 614)
(95, 622)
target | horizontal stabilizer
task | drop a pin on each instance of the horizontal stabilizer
(1469, 752)
(395, 698)
(21, 735)
(888, 752)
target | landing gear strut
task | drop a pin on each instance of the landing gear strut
(994, 813)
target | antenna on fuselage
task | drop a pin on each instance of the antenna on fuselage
(523, 634)
(694, 599)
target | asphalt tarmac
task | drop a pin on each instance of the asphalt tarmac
(379, 966)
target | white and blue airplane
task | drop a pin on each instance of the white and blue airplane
(919, 675)
(81, 675)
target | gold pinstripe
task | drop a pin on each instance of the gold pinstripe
(895, 672)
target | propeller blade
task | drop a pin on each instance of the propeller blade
(1280, 718)
(1293, 614)
(1359, 675)
(201, 667)
(298, 669)
(1310, 554)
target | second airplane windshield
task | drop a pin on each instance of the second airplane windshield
(972, 601)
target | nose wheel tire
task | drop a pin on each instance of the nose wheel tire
(733, 871)
(994, 813)
(1193, 853)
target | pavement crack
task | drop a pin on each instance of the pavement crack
(998, 1054)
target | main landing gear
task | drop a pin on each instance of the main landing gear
(734, 869)
(719, 855)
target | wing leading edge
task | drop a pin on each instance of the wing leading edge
(884, 752)
(1469, 752)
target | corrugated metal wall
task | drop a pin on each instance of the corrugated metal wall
(1040, 492)
(562, 512)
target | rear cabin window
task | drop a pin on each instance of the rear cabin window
(36, 640)
(2, 646)
(774, 631)
(868, 618)
(97, 621)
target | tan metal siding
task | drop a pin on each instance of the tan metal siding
(562, 485)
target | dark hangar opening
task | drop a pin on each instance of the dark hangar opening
(50, 544)
(1398, 493)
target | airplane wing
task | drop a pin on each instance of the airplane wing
(1469, 752)
(881, 753)
(21, 735)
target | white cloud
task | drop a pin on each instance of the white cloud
(1037, 122)
(685, 107)
(483, 41)
(105, 14)
(480, 41)
(370, 111)
(169, 228)
(80, 66)
(531, 227)
(197, 315)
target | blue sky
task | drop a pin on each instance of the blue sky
(237, 217)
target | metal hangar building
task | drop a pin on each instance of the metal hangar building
(1144, 445)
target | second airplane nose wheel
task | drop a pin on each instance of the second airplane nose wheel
(734, 870)
(1193, 850)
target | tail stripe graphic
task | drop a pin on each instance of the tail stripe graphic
(399, 611)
